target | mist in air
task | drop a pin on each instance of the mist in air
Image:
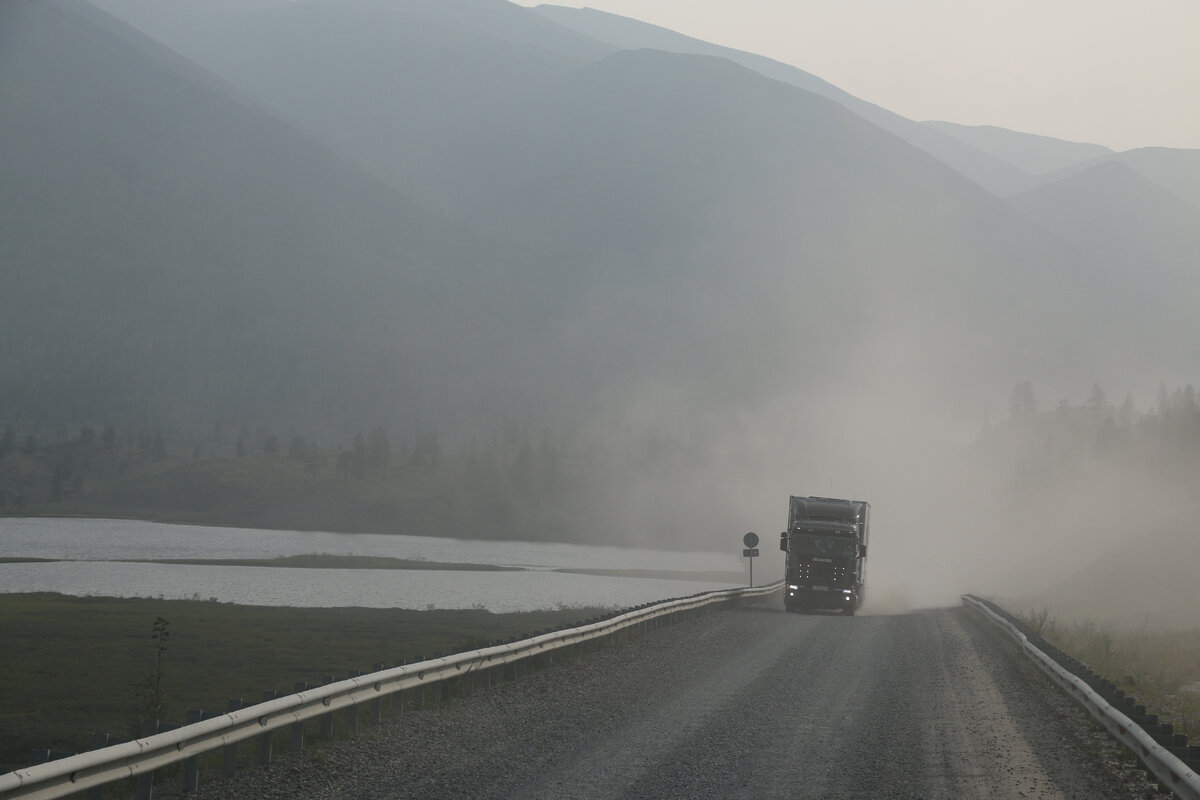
(700, 281)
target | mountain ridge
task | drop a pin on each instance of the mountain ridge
(1034, 153)
(992, 173)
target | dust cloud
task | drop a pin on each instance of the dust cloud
(1085, 509)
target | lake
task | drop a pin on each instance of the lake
(92, 551)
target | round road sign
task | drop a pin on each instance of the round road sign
(750, 539)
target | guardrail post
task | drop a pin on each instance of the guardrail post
(327, 726)
(98, 741)
(145, 781)
(352, 711)
(229, 751)
(438, 690)
(298, 727)
(377, 711)
(191, 766)
(264, 739)
(1179, 746)
(327, 719)
(409, 698)
(1193, 758)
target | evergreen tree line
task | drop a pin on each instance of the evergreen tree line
(1042, 445)
(501, 485)
(507, 484)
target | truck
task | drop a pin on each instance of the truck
(826, 546)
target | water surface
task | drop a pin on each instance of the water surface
(93, 549)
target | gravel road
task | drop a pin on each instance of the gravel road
(741, 702)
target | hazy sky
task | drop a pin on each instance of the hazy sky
(1112, 72)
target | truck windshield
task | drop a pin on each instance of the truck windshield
(809, 545)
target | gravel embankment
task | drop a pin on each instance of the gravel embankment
(742, 702)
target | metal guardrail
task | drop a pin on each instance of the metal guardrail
(137, 758)
(1170, 771)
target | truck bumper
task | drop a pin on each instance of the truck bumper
(798, 597)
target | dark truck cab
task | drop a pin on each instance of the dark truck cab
(826, 546)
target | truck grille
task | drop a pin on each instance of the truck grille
(820, 574)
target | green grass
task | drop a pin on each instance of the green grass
(73, 666)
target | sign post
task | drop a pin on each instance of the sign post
(751, 542)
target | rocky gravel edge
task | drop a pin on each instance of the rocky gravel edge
(1027, 686)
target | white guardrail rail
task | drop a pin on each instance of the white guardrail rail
(139, 757)
(1169, 770)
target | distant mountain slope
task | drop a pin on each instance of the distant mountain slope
(381, 81)
(1144, 240)
(620, 223)
(1030, 152)
(166, 22)
(735, 205)
(169, 252)
(992, 173)
(1174, 168)
(519, 161)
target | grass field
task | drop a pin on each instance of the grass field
(74, 666)
(1160, 668)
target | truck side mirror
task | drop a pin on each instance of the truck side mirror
(783, 541)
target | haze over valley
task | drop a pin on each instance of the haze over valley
(549, 273)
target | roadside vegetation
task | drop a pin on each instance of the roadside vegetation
(1160, 668)
(1105, 472)
(74, 666)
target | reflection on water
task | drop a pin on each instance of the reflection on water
(97, 543)
(103, 539)
(375, 588)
